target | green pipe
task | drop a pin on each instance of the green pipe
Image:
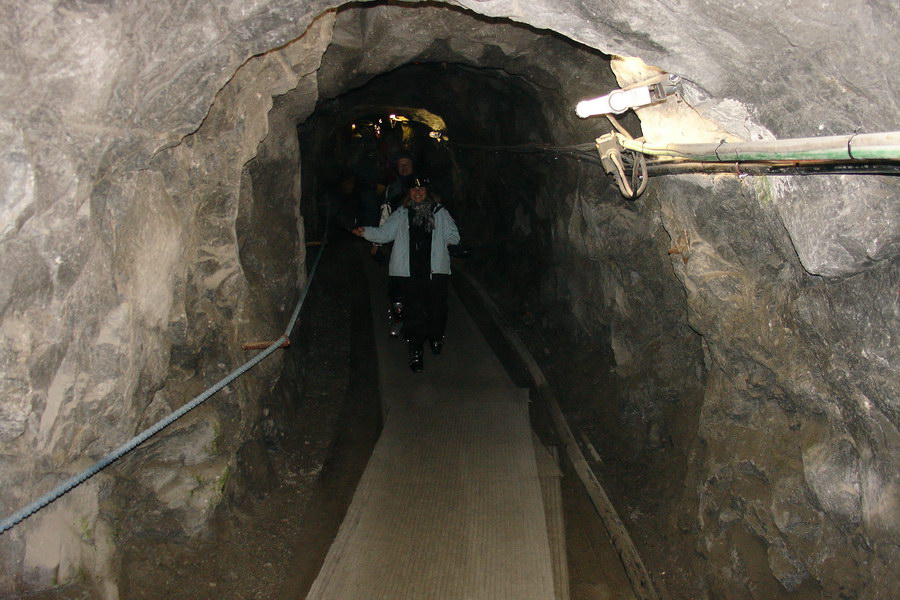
(857, 146)
(767, 168)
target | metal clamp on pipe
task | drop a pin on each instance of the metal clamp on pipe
(614, 163)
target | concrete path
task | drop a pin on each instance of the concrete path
(450, 506)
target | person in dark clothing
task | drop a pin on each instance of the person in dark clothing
(342, 204)
(394, 196)
(363, 165)
(395, 191)
(421, 231)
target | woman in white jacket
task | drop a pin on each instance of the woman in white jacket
(421, 231)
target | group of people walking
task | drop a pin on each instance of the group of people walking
(421, 229)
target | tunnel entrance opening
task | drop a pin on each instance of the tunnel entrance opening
(496, 195)
(359, 184)
(493, 195)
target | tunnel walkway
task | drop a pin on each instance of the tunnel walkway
(458, 500)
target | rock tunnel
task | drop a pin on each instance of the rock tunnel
(727, 343)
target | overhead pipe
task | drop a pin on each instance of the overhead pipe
(743, 169)
(856, 146)
(867, 153)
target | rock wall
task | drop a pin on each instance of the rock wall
(795, 427)
(144, 242)
(746, 413)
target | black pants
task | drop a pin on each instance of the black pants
(424, 308)
(395, 288)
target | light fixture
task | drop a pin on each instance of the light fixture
(618, 101)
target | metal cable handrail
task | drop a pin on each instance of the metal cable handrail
(76, 480)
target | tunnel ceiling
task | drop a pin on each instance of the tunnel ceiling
(476, 106)
(155, 74)
(443, 46)
(378, 39)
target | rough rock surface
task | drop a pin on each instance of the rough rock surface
(135, 267)
(149, 224)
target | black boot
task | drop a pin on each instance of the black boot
(396, 317)
(436, 345)
(416, 358)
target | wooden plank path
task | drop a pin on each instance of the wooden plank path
(450, 506)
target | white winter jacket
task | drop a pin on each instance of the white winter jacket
(396, 229)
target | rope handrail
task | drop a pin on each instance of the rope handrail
(76, 480)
